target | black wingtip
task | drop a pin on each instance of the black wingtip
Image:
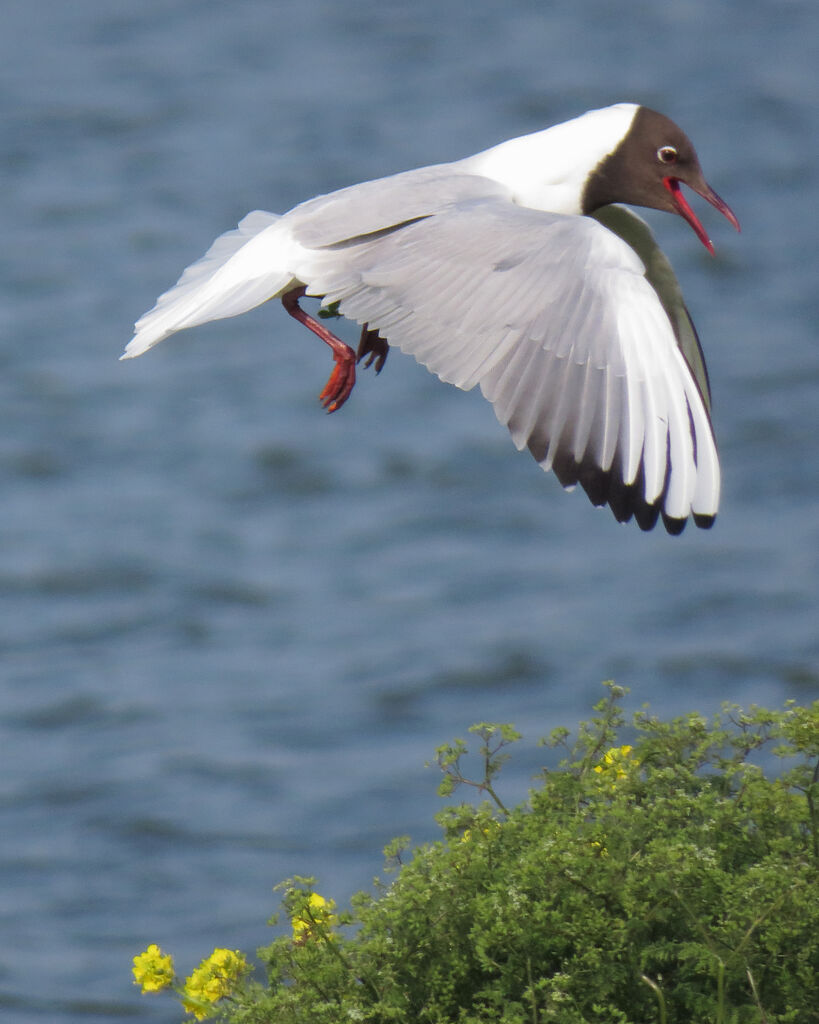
(626, 501)
(674, 526)
(646, 516)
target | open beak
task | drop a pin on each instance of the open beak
(684, 210)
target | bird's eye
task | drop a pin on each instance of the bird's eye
(667, 155)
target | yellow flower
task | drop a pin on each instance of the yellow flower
(616, 763)
(153, 969)
(213, 979)
(486, 830)
(198, 1007)
(316, 916)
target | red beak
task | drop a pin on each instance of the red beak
(684, 210)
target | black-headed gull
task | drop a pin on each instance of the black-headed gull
(512, 270)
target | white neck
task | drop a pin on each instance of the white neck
(548, 169)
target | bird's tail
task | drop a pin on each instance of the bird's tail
(242, 269)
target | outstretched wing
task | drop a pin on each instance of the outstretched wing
(554, 318)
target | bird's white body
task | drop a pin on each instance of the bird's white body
(485, 272)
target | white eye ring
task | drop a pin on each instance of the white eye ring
(667, 155)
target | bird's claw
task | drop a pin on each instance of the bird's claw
(374, 347)
(341, 381)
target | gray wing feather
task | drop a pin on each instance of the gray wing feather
(375, 206)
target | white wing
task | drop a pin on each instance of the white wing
(555, 320)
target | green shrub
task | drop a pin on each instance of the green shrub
(670, 880)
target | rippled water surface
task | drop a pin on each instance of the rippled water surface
(233, 628)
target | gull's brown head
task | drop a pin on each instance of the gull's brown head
(648, 167)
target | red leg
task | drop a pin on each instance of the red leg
(342, 380)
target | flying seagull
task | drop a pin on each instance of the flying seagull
(512, 270)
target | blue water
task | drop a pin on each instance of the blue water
(233, 628)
